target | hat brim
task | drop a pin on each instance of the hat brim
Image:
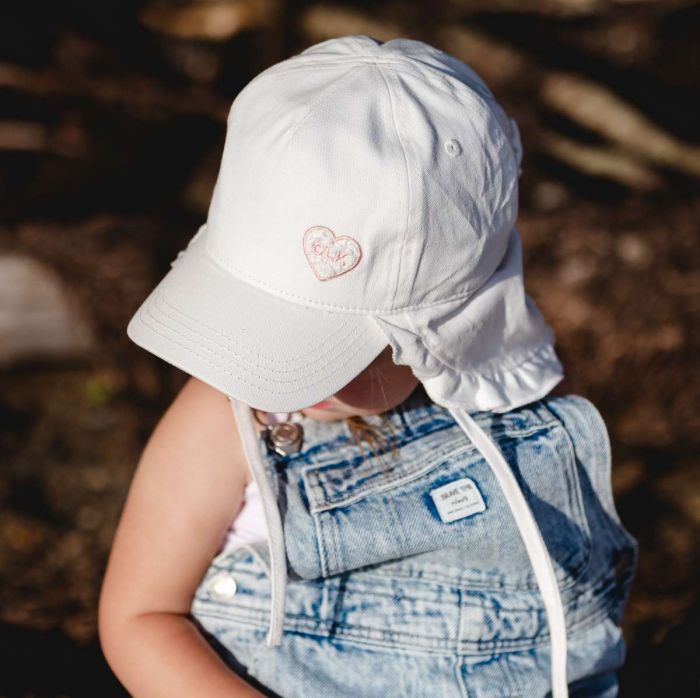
(256, 347)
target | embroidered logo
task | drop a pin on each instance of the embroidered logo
(330, 255)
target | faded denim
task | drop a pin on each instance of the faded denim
(385, 599)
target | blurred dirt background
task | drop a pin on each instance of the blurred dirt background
(111, 131)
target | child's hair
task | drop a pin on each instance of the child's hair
(377, 439)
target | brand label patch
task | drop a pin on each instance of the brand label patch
(330, 255)
(458, 499)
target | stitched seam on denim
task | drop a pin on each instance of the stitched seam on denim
(316, 490)
(368, 632)
(318, 486)
(606, 594)
(596, 612)
(577, 498)
(221, 367)
(319, 451)
(470, 582)
(377, 638)
(579, 619)
(498, 431)
(566, 578)
(513, 686)
(459, 677)
(387, 637)
(365, 490)
(321, 545)
(544, 407)
(618, 533)
(329, 501)
(499, 583)
(324, 455)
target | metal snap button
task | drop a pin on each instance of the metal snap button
(222, 586)
(286, 438)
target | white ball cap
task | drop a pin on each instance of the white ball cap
(360, 181)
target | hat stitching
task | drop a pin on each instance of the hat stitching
(222, 366)
(325, 93)
(160, 296)
(484, 111)
(307, 363)
(241, 275)
(226, 337)
(408, 184)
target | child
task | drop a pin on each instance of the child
(441, 524)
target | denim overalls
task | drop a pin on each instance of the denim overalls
(407, 575)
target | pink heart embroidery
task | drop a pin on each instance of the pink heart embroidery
(328, 255)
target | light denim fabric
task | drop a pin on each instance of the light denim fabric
(387, 599)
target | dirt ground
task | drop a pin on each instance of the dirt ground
(113, 119)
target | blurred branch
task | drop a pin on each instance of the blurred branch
(322, 22)
(601, 162)
(33, 137)
(212, 21)
(589, 104)
(132, 91)
(555, 8)
(604, 112)
(558, 8)
(498, 63)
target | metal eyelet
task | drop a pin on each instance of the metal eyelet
(453, 147)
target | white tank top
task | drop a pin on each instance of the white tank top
(249, 525)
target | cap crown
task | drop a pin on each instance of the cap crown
(364, 177)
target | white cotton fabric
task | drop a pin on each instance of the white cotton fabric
(489, 351)
(249, 525)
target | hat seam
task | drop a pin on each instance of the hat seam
(323, 96)
(405, 65)
(208, 328)
(303, 382)
(227, 266)
(161, 296)
(408, 185)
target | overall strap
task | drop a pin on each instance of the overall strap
(529, 531)
(534, 544)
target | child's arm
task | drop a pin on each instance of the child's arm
(188, 485)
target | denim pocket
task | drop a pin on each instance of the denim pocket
(377, 509)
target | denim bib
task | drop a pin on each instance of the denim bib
(407, 573)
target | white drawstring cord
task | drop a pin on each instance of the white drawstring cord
(534, 544)
(278, 556)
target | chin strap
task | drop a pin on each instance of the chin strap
(534, 544)
(278, 555)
